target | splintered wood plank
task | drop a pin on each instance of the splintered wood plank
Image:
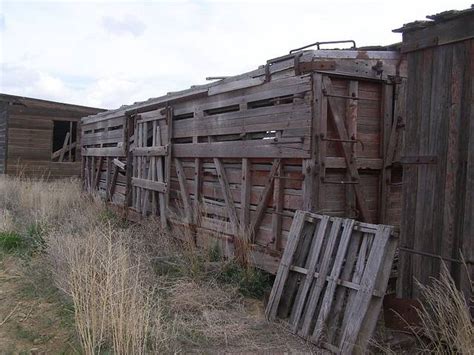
(262, 205)
(364, 295)
(285, 263)
(332, 283)
(183, 190)
(342, 132)
(321, 280)
(311, 264)
(246, 186)
(229, 200)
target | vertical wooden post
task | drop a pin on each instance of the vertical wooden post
(351, 123)
(246, 186)
(278, 206)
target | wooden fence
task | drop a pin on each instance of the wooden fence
(314, 130)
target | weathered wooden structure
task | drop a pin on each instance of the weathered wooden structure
(438, 175)
(316, 130)
(331, 280)
(40, 138)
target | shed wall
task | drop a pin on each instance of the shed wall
(438, 188)
(30, 136)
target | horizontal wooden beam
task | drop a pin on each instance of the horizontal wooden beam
(149, 184)
(242, 149)
(235, 85)
(150, 151)
(103, 152)
(361, 163)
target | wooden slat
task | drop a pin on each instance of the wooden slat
(311, 264)
(63, 149)
(262, 205)
(229, 200)
(326, 304)
(362, 301)
(150, 185)
(285, 263)
(285, 148)
(235, 85)
(104, 152)
(323, 272)
(183, 190)
(246, 186)
(150, 151)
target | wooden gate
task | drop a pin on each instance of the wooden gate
(151, 162)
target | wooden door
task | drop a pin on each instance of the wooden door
(150, 153)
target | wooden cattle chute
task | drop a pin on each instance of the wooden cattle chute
(313, 130)
(28, 145)
(438, 174)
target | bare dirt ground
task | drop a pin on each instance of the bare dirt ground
(31, 317)
(34, 320)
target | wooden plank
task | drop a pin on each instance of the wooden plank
(150, 151)
(229, 201)
(119, 164)
(342, 132)
(351, 123)
(262, 205)
(278, 193)
(104, 152)
(311, 263)
(364, 295)
(319, 284)
(285, 263)
(160, 178)
(183, 190)
(265, 148)
(97, 175)
(246, 186)
(65, 144)
(148, 184)
(327, 301)
(235, 85)
(171, 152)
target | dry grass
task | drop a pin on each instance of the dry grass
(446, 324)
(137, 289)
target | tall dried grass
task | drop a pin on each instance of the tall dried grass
(446, 324)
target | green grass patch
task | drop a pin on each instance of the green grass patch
(11, 242)
(250, 281)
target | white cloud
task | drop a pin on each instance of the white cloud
(126, 25)
(109, 54)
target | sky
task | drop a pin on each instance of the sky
(110, 53)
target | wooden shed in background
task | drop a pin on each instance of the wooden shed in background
(40, 138)
(315, 129)
(438, 175)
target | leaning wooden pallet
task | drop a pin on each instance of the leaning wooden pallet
(331, 280)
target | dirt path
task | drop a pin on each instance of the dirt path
(32, 320)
